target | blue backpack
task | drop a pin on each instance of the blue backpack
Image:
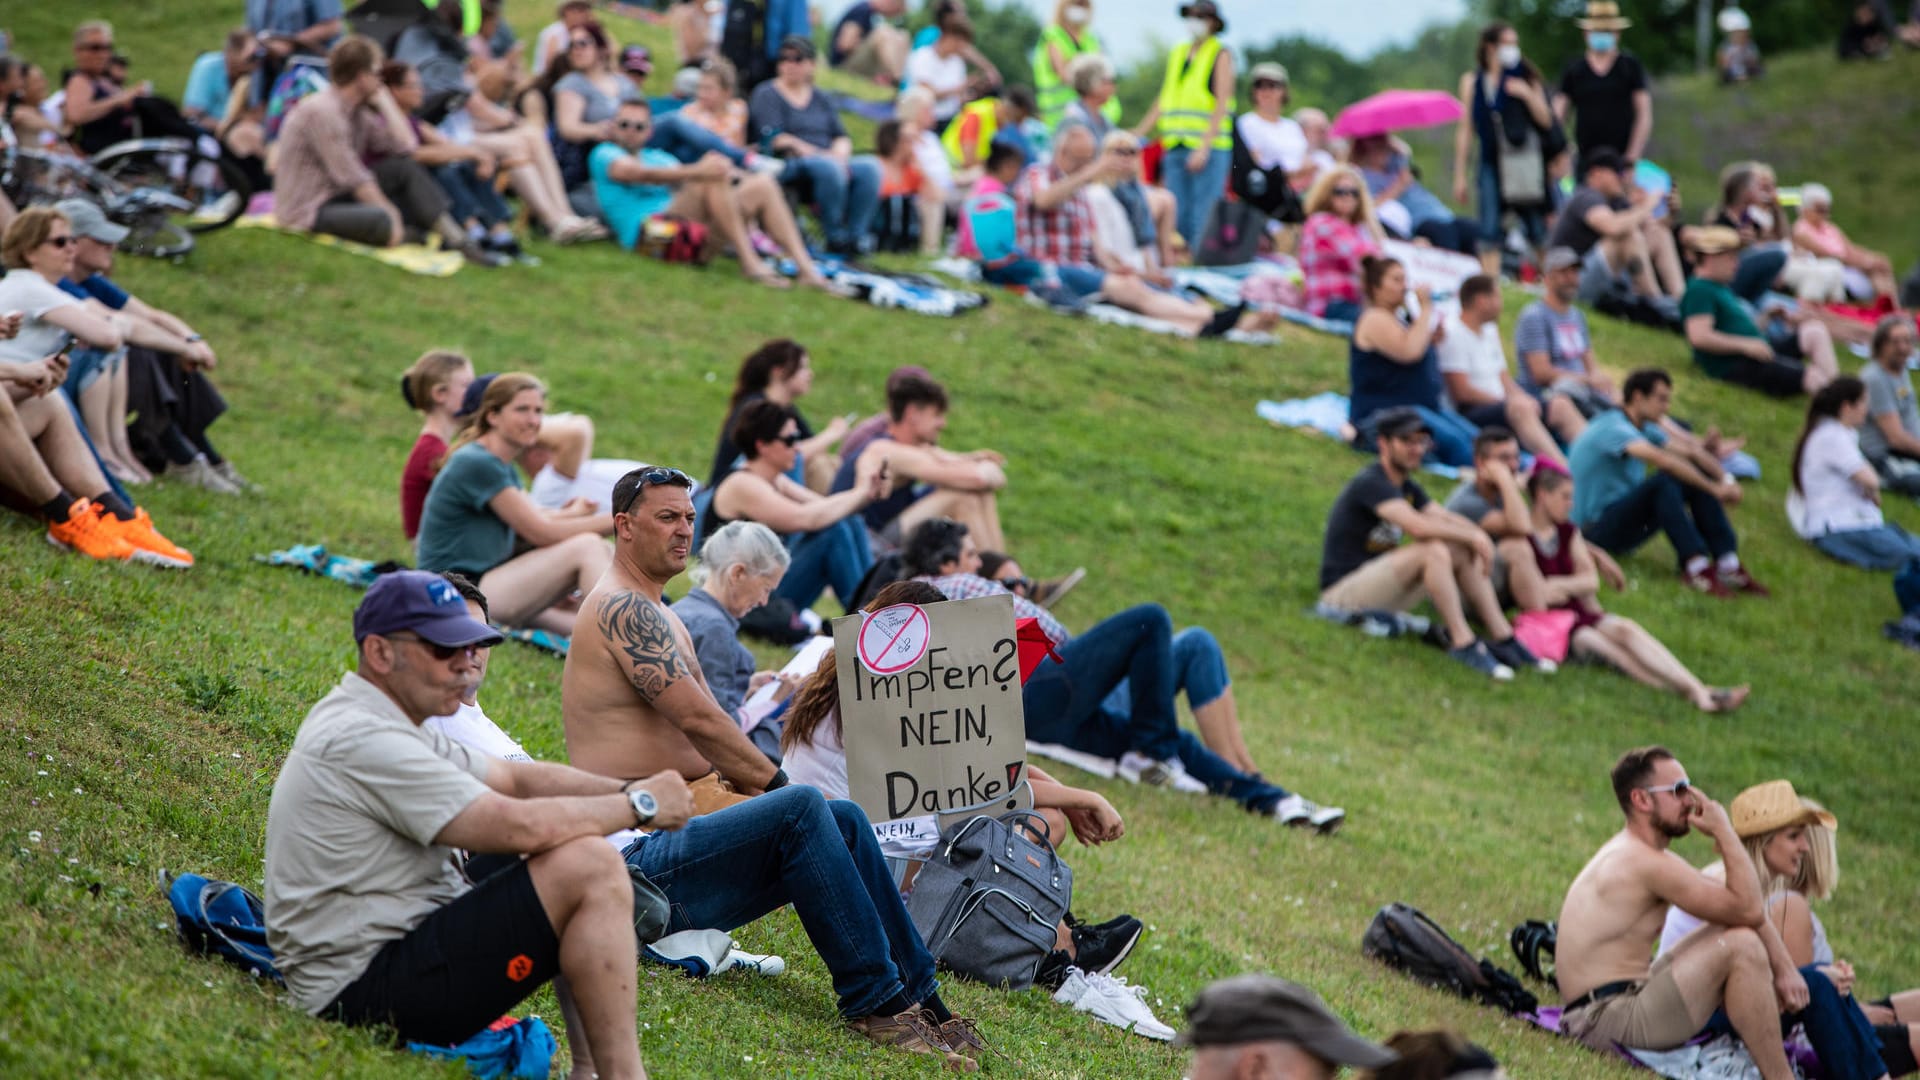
(222, 918)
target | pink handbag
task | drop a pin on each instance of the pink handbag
(1546, 634)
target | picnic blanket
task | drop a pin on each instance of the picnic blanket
(865, 108)
(1718, 1057)
(315, 559)
(887, 289)
(1326, 414)
(413, 258)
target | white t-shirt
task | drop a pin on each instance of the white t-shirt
(1112, 226)
(1479, 356)
(469, 726)
(931, 157)
(30, 294)
(823, 765)
(550, 490)
(945, 76)
(552, 40)
(1828, 500)
(1273, 142)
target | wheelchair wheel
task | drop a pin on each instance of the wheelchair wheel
(214, 186)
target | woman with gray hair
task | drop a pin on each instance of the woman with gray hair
(740, 565)
(1092, 78)
(1867, 271)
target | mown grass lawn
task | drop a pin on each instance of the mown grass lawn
(143, 715)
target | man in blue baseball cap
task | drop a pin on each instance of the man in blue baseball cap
(367, 915)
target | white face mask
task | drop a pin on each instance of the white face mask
(1077, 15)
(1199, 28)
(1509, 56)
(1761, 217)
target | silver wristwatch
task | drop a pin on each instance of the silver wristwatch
(645, 807)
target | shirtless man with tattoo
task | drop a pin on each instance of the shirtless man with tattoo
(634, 703)
(633, 699)
(1615, 909)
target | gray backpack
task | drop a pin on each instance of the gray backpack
(989, 899)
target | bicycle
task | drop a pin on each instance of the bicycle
(164, 190)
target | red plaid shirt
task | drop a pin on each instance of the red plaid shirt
(1061, 236)
(1330, 252)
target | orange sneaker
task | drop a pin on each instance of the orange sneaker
(86, 533)
(148, 545)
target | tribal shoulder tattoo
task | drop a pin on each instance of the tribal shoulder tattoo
(638, 631)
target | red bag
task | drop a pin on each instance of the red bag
(675, 239)
(1034, 646)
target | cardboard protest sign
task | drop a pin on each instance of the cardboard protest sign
(930, 709)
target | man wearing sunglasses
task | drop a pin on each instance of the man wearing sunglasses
(633, 182)
(368, 919)
(633, 700)
(1615, 909)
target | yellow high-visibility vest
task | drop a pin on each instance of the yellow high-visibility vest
(987, 110)
(1186, 97)
(1050, 91)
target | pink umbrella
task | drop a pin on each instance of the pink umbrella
(1396, 110)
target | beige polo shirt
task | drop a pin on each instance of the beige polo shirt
(351, 862)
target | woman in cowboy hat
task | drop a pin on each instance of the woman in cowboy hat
(1777, 827)
(1606, 88)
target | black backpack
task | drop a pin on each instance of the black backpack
(1402, 937)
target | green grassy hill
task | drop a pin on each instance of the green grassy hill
(143, 715)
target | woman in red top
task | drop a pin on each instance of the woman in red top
(435, 385)
(1555, 571)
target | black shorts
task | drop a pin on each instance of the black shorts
(1487, 414)
(461, 969)
(1781, 378)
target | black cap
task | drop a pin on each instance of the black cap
(1204, 9)
(1399, 422)
(1259, 1008)
(1604, 158)
(796, 47)
(476, 390)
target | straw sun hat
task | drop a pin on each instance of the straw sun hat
(1774, 805)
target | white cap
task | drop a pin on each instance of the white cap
(1733, 20)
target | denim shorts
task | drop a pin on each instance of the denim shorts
(1082, 281)
(86, 365)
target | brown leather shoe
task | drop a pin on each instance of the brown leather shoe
(960, 1035)
(911, 1032)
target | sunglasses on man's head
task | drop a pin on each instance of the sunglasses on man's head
(440, 652)
(654, 477)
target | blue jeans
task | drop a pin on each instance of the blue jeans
(470, 198)
(1453, 435)
(72, 397)
(689, 142)
(1888, 547)
(838, 555)
(1694, 521)
(1491, 212)
(793, 846)
(1757, 271)
(845, 196)
(1114, 693)
(1194, 193)
(1841, 1035)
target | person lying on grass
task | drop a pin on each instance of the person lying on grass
(1556, 571)
(1790, 840)
(366, 915)
(633, 701)
(1734, 965)
(815, 752)
(1106, 703)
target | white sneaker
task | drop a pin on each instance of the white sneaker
(200, 474)
(752, 963)
(1112, 1001)
(1297, 810)
(1079, 759)
(1138, 768)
